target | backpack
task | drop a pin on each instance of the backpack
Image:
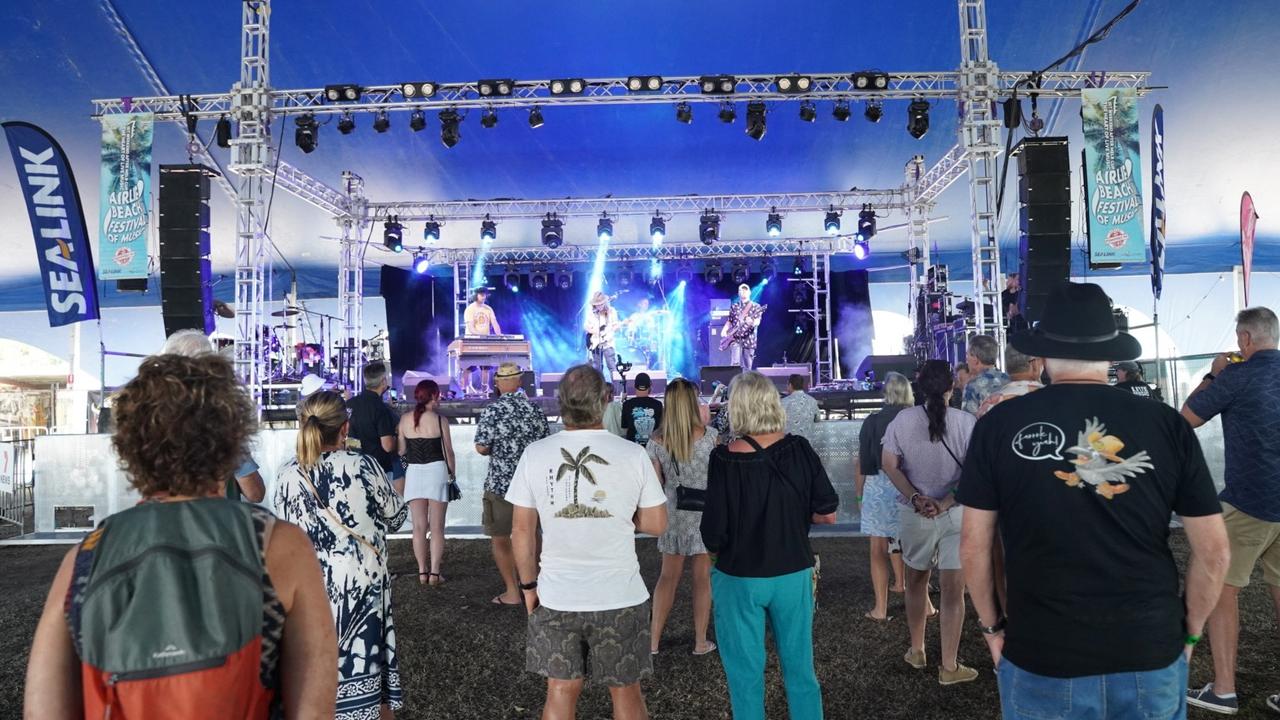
(172, 615)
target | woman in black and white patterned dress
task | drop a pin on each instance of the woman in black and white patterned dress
(680, 450)
(346, 505)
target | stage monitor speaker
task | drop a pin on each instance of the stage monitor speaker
(186, 294)
(881, 365)
(1044, 220)
(781, 375)
(716, 374)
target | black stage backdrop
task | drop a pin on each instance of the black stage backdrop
(420, 318)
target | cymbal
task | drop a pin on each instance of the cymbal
(287, 312)
(221, 309)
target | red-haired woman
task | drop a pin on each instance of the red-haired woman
(427, 450)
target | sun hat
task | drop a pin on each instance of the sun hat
(311, 383)
(1077, 325)
(508, 370)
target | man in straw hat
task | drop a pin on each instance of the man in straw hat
(601, 326)
(506, 427)
(1081, 479)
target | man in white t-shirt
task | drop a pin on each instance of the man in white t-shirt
(588, 606)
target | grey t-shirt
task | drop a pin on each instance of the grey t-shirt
(927, 464)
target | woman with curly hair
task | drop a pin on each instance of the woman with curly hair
(169, 564)
(347, 506)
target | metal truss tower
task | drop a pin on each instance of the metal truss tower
(351, 280)
(980, 137)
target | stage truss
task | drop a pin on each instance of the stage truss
(976, 86)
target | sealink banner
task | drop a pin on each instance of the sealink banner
(1113, 175)
(1157, 201)
(57, 223)
(125, 206)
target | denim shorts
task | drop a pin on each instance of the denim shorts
(1150, 695)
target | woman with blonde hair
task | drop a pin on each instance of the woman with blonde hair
(346, 504)
(426, 448)
(877, 496)
(764, 490)
(680, 450)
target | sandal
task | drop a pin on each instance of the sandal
(424, 575)
(435, 583)
(710, 648)
(873, 618)
(497, 600)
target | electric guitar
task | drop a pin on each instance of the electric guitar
(742, 330)
(603, 334)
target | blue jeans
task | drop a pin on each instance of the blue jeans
(1150, 695)
(741, 606)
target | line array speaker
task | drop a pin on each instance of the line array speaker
(186, 295)
(1044, 220)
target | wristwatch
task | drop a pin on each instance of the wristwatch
(529, 585)
(1208, 377)
(993, 629)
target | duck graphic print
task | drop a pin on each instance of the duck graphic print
(575, 469)
(1096, 456)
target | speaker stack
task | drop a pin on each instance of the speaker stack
(1044, 220)
(186, 295)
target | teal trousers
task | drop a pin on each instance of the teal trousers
(741, 606)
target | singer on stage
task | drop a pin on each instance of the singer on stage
(741, 328)
(478, 319)
(601, 326)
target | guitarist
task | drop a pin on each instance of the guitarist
(601, 326)
(740, 329)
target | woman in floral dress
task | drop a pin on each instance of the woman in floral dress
(346, 505)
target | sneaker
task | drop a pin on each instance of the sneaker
(961, 674)
(1205, 699)
(915, 658)
(1273, 703)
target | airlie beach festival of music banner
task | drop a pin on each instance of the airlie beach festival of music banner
(1113, 176)
(125, 208)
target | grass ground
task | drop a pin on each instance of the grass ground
(463, 658)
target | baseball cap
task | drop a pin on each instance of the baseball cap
(643, 381)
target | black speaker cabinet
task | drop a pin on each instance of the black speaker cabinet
(1044, 220)
(186, 295)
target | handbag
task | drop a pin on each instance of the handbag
(688, 498)
(455, 492)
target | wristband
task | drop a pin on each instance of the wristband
(529, 585)
(994, 629)
(912, 500)
(857, 498)
(1208, 377)
(1191, 640)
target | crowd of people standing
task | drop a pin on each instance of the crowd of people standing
(1038, 490)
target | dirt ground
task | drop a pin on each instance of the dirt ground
(463, 658)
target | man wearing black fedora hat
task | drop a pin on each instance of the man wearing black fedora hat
(1080, 478)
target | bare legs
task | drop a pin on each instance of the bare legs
(664, 595)
(505, 559)
(880, 577)
(562, 701)
(435, 514)
(917, 587)
(952, 582)
(1224, 639)
(419, 515)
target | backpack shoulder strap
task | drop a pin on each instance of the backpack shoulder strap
(81, 570)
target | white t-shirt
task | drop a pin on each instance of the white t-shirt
(588, 548)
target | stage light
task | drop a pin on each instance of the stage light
(713, 273)
(841, 111)
(832, 222)
(604, 228)
(564, 278)
(489, 88)
(511, 279)
(709, 227)
(393, 234)
(488, 118)
(431, 231)
(874, 111)
(808, 113)
(684, 273)
(538, 278)
(727, 112)
(552, 231)
(417, 121)
(684, 113)
(381, 122)
(488, 229)
(450, 127)
(535, 118)
(798, 269)
(793, 84)
(740, 272)
(568, 86)
(768, 269)
(625, 277)
(799, 329)
(342, 92)
(773, 225)
(861, 249)
(755, 120)
(304, 136)
(222, 132)
(418, 89)
(346, 123)
(718, 84)
(420, 262)
(657, 228)
(866, 223)
(644, 83)
(918, 118)
(870, 80)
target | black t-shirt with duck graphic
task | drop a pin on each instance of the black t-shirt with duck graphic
(1084, 479)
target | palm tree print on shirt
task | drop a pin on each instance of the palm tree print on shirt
(579, 466)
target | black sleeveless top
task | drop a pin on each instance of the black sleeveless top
(420, 451)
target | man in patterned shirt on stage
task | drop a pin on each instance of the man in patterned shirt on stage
(506, 427)
(742, 326)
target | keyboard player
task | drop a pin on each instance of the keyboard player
(479, 319)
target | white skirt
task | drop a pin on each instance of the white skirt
(427, 482)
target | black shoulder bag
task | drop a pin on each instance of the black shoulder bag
(687, 498)
(455, 492)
